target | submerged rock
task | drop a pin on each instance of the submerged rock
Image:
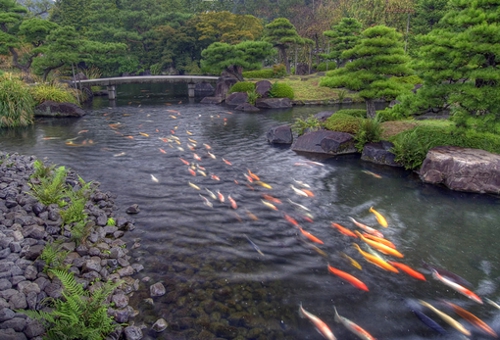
(52, 109)
(280, 135)
(462, 169)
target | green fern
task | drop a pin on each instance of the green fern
(51, 189)
(74, 212)
(41, 170)
(79, 314)
(53, 256)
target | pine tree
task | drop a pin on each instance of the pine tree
(343, 37)
(459, 61)
(376, 58)
(282, 34)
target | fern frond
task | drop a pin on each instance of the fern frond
(68, 281)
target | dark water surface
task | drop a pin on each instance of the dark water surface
(215, 279)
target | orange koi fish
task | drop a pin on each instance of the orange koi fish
(254, 176)
(360, 332)
(227, 162)
(320, 325)
(371, 173)
(471, 318)
(192, 172)
(344, 230)
(291, 220)
(271, 199)
(366, 228)
(162, 151)
(408, 270)
(311, 236)
(252, 216)
(130, 137)
(173, 111)
(462, 290)
(348, 277)
(184, 161)
(380, 240)
(215, 177)
(380, 219)
(448, 319)
(375, 260)
(233, 202)
(380, 247)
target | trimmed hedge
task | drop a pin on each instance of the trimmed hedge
(242, 86)
(343, 123)
(281, 90)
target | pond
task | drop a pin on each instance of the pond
(242, 273)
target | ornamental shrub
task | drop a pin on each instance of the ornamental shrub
(281, 90)
(321, 67)
(343, 123)
(264, 73)
(369, 131)
(300, 125)
(361, 113)
(279, 70)
(242, 86)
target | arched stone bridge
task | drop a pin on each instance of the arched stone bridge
(111, 83)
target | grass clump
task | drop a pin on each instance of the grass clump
(281, 90)
(56, 92)
(252, 96)
(79, 314)
(16, 102)
(300, 125)
(343, 123)
(242, 86)
(360, 113)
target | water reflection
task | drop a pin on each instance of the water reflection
(217, 283)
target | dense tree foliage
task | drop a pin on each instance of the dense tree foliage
(282, 34)
(343, 37)
(376, 58)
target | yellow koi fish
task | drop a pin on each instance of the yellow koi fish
(264, 185)
(380, 219)
(352, 261)
(269, 205)
(194, 186)
(143, 134)
(448, 319)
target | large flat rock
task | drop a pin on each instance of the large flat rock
(325, 142)
(462, 169)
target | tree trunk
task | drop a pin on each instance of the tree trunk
(49, 69)
(285, 60)
(370, 108)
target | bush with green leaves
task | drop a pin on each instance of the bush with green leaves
(388, 114)
(16, 102)
(253, 95)
(265, 73)
(279, 70)
(411, 147)
(281, 90)
(343, 123)
(56, 92)
(311, 123)
(79, 314)
(242, 86)
(322, 67)
(369, 131)
(361, 113)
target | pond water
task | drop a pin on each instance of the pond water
(216, 280)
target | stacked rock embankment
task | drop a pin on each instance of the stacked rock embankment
(27, 226)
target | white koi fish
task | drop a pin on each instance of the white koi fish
(360, 332)
(320, 325)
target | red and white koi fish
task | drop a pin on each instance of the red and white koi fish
(226, 161)
(299, 205)
(360, 332)
(254, 176)
(198, 158)
(162, 151)
(184, 161)
(320, 325)
(269, 205)
(462, 290)
(192, 172)
(271, 198)
(208, 147)
(366, 228)
(215, 177)
(250, 179)
(371, 173)
(221, 196)
(291, 220)
(298, 191)
(233, 202)
(305, 185)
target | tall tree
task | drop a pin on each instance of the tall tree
(245, 55)
(343, 37)
(460, 60)
(70, 13)
(282, 34)
(377, 57)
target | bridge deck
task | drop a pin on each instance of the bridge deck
(146, 79)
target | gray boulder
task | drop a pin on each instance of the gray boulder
(263, 87)
(212, 100)
(203, 89)
(50, 108)
(325, 142)
(247, 107)
(237, 98)
(323, 115)
(462, 169)
(273, 103)
(379, 153)
(280, 135)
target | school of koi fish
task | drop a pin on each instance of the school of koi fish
(373, 247)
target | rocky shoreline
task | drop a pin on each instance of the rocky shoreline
(27, 225)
